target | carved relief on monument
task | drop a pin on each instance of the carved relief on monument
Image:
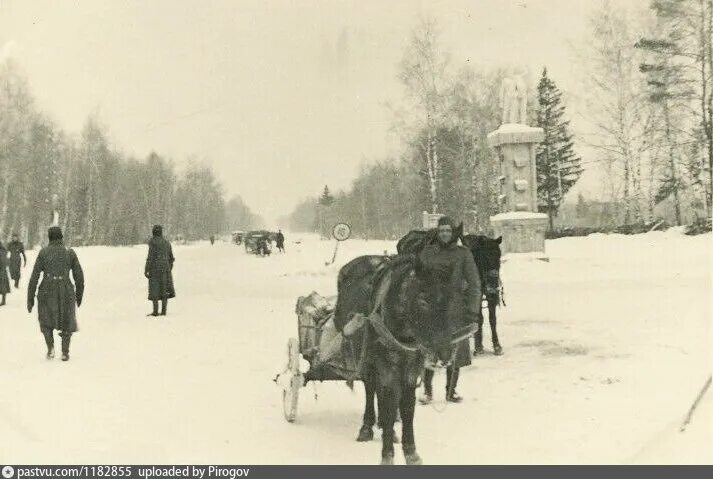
(521, 158)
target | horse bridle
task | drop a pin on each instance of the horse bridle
(388, 339)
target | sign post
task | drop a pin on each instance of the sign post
(340, 232)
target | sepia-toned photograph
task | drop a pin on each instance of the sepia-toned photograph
(257, 233)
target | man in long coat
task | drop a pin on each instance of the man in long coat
(456, 299)
(17, 258)
(280, 241)
(159, 264)
(57, 296)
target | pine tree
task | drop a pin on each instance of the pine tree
(680, 76)
(326, 199)
(558, 167)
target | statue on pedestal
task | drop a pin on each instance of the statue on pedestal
(55, 212)
(513, 98)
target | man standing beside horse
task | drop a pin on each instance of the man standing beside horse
(455, 299)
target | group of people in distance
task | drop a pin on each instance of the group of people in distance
(262, 246)
(58, 297)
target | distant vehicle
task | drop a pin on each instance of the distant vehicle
(253, 239)
(238, 237)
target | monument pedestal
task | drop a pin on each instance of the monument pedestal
(523, 230)
(523, 234)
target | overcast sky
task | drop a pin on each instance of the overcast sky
(281, 97)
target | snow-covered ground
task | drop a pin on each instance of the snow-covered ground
(606, 347)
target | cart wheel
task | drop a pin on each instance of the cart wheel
(291, 394)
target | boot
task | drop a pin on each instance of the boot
(498, 350)
(66, 338)
(49, 341)
(387, 459)
(453, 396)
(164, 306)
(3, 301)
(17, 284)
(155, 309)
(452, 376)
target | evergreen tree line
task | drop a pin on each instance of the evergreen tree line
(645, 104)
(103, 196)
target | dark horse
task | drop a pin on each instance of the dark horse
(392, 286)
(486, 252)
(400, 333)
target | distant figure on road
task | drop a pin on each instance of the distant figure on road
(57, 295)
(4, 281)
(280, 241)
(159, 264)
(212, 239)
(17, 258)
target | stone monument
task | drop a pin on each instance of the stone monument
(53, 219)
(519, 223)
(430, 220)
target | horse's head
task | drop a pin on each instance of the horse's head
(408, 309)
(486, 252)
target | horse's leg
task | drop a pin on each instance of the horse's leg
(388, 403)
(492, 306)
(407, 406)
(366, 433)
(479, 335)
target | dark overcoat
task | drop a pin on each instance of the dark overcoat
(56, 296)
(4, 281)
(159, 264)
(455, 289)
(17, 254)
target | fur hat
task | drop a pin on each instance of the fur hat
(446, 220)
(157, 230)
(54, 233)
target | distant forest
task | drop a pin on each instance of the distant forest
(104, 196)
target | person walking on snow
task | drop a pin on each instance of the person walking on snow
(158, 270)
(280, 241)
(454, 276)
(4, 281)
(17, 258)
(56, 296)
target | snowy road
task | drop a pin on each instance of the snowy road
(606, 347)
